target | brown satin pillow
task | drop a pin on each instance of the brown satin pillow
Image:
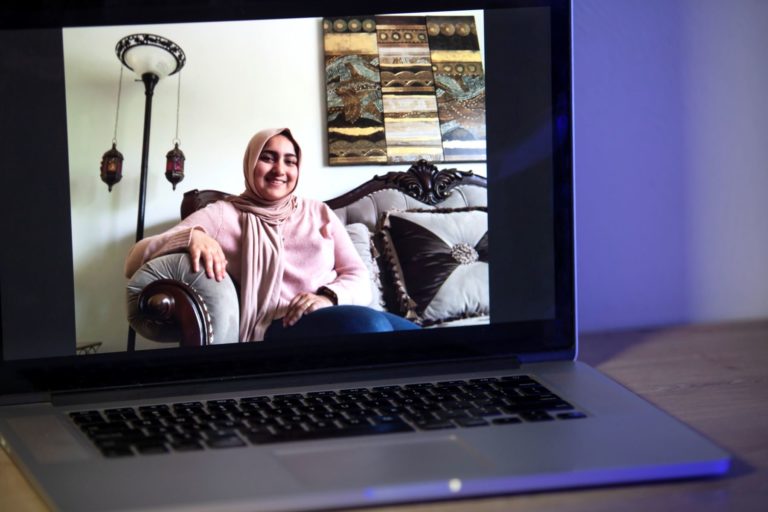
(438, 262)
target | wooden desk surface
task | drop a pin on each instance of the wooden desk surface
(712, 377)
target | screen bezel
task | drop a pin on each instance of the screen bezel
(532, 340)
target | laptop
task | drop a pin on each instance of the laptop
(441, 413)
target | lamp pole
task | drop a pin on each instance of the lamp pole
(151, 57)
(150, 80)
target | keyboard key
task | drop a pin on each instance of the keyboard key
(184, 438)
(450, 383)
(288, 396)
(559, 405)
(187, 405)
(255, 399)
(470, 422)
(536, 416)
(450, 415)
(352, 422)
(227, 402)
(485, 411)
(187, 446)
(421, 387)
(506, 421)
(354, 391)
(435, 425)
(321, 394)
(571, 415)
(484, 380)
(387, 388)
(224, 441)
(87, 417)
(518, 379)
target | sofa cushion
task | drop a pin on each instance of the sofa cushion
(438, 262)
(369, 208)
(361, 238)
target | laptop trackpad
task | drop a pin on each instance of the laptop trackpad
(383, 461)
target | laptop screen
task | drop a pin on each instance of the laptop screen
(67, 98)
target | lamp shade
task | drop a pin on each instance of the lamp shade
(150, 53)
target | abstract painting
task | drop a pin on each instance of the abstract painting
(408, 90)
(353, 92)
(460, 86)
(404, 88)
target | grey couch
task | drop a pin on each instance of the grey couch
(421, 232)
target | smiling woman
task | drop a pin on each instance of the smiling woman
(295, 265)
(276, 172)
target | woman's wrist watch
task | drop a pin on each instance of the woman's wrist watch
(330, 294)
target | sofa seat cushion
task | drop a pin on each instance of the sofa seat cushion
(438, 262)
(463, 322)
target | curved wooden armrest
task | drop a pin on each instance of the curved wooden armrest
(169, 302)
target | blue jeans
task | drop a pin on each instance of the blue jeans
(338, 321)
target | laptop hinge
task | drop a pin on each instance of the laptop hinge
(327, 377)
(25, 398)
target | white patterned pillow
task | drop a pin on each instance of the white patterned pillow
(438, 262)
(361, 238)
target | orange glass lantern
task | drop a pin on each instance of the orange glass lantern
(112, 166)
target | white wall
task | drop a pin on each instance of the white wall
(671, 160)
(239, 77)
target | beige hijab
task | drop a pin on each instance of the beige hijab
(262, 244)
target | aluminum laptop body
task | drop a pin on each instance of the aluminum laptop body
(604, 435)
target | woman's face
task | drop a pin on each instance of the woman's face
(277, 169)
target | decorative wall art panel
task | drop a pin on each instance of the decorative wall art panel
(404, 88)
(353, 92)
(460, 86)
(408, 89)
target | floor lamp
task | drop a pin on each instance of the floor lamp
(152, 58)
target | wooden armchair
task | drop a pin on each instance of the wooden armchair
(167, 302)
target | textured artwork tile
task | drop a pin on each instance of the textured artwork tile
(403, 88)
(408, 90)
(460, 86)
(353, 93)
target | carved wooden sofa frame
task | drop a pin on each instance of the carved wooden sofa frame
(169, 303)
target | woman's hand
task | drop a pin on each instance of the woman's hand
(203, 247)
(303, 303)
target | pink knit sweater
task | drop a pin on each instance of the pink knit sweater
(317, 250)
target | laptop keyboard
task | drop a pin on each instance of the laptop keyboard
(257, 420)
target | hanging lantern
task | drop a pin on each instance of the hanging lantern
(174, 165)
(174, 159)
(112, 160)
(112, 166)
